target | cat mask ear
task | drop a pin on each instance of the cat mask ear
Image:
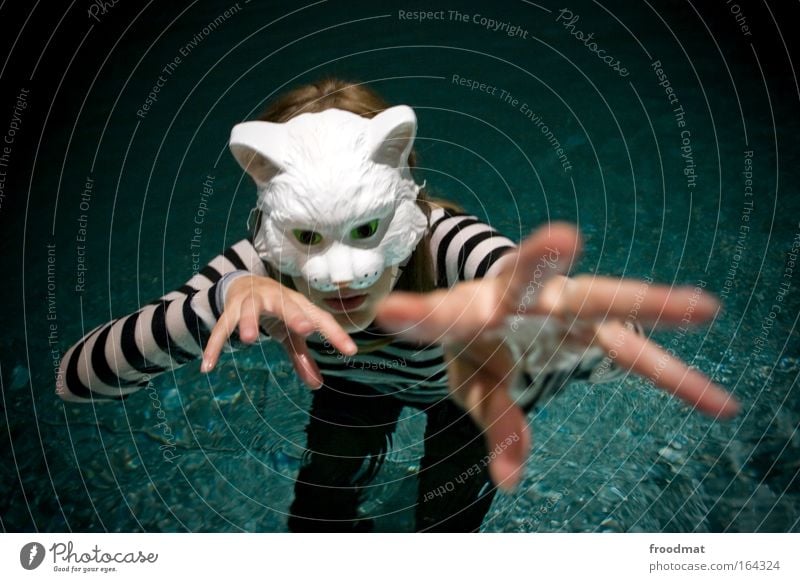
(258, 146)
(391, 136)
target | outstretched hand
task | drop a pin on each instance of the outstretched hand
(288, 317)
(467, 317)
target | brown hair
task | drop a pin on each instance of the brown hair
(331, 92)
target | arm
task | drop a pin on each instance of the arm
(120, 357)
(467, 318)
(463, 248)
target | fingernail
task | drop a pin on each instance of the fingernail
(205, 366)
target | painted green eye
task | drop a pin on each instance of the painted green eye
(307, 237)
(365, 230)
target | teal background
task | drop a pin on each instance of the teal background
(616, 457)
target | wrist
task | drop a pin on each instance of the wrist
(224, 284)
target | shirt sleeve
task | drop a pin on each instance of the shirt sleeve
(464, 248)
(121, 356)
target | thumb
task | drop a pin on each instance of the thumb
(508, 441)
(549, 251)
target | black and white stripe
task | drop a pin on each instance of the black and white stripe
(119, 358)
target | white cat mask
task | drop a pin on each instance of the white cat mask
(337, 198)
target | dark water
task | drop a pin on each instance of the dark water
(616, 457)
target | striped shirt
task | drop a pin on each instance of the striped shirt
(120, 357)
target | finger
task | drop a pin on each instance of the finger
(458, 314)
(221, 332)
(303, 318)
(508, 440)
(302, 360)
(248, 320)
(590, 297)
(506, 431)
(293, 315)
(327, 326)
(489, 356)
(666, 371)
(482, 389)
(548, 252)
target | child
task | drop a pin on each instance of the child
(339, 225)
